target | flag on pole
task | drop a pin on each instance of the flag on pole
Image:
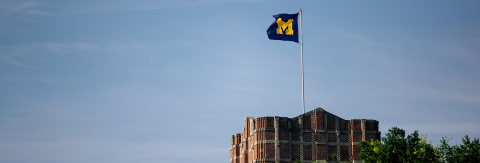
(284, 28)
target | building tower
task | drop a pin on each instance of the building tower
(309, 137)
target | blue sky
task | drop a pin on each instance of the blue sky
(170, 81)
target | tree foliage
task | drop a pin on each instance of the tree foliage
(395, 147)
(468, 151)
(334, 157)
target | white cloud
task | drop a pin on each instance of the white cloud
(107, 151)
(443, 94)
(18, 54)
(8, 59)
(466, 54)
(22, 7)
(63, 8)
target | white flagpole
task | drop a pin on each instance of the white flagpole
(301, 55)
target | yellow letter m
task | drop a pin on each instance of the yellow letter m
(284, 27)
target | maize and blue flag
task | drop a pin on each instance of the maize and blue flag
(284, 28)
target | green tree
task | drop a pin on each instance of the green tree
(297, 161)
(394, 145)
(371, 151)
(468, 151)
(420, 151)
(334, 157)
(396, 148)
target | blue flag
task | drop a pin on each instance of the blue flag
(284, 28)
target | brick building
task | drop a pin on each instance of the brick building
(309, 137)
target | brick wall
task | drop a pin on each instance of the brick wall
(321, 154)
(310, 137)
